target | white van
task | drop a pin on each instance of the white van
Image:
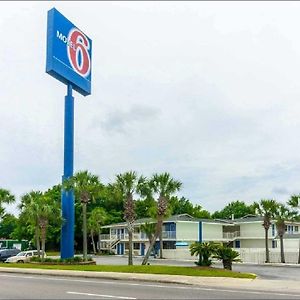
(22, 257)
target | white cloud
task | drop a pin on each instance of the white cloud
(208, 91)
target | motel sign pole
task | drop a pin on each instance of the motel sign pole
(69, 58)
(67, 200)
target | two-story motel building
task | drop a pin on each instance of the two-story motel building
(179, 231)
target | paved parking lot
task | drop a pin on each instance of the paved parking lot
(270, 272)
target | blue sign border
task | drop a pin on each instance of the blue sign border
(56, 67)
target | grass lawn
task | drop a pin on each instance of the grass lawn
(53, 253)
(150, 269)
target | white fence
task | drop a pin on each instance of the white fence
(258, 255)
(247, 255)
(178, 254)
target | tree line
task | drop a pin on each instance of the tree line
(129, 197)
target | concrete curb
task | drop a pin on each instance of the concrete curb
(213, 282)
(179, 279)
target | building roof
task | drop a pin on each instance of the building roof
(174, 218)
(249, 219)
(187, 218)
(182, 217)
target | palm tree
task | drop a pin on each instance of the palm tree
(227, 255)
(164, 186)
(5, 198)
(48, 212)
(282, 214)
(86, 187)
(149, 230)
(91, 225)
(96, 219)
(294, 202)
(204, 252)
(30, 206)
(40, 210)
(267, 209)
(128, 184)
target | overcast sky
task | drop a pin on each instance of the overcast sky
(208, 91)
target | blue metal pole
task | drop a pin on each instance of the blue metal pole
(67, 199)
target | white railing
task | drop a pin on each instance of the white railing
(169, 234)
(231, 235)
(104, 237)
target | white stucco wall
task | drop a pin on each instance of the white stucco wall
(187, 231)
(253, 230)
(255, 243)
(289, 244)
(211, 231)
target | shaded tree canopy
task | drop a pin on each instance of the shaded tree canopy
(8, 224)
(237, 208)
(185, 206)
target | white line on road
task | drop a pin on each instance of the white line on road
(98, 295)
(173, 286)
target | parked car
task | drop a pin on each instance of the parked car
(22, 257)
(6, 253)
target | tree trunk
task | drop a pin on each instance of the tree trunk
(227, 264)
(84, 231)
(43, 237)
(200, 260)
(93, 242)
(267, 245)
(130, 263)
(161, 244)
(155, 236)
(37, 241)
(281, 249)
(299, 254)
(99, 240)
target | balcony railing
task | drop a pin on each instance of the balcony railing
(231, 235)
(169, 234)
(105, 237)
(136, 236)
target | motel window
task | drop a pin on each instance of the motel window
(274, 244)
(169, 245)
(296, 229)
(237, 244)
(273, 229)
(136, 246)
(286, 228)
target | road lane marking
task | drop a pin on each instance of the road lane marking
(98, 295)
(173, 285)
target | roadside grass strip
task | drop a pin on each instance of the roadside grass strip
(149, 269)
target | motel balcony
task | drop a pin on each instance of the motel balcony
(231, 235)
(167, 235)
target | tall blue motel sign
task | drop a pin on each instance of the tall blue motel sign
(69, 58)
(69, 53)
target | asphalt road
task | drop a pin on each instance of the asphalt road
(263, 271)
(22, 286)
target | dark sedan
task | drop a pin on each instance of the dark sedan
(6, 253)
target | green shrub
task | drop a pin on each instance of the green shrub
(204, 252)
(77, 259)
(227, 255)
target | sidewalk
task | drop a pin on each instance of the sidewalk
(215, 282)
